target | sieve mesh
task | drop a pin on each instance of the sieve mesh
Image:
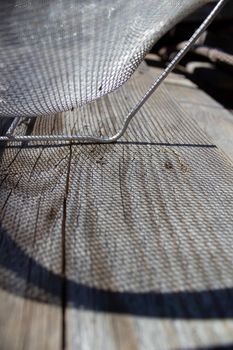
(59, 54)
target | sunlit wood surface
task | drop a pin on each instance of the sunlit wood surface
(123, 246)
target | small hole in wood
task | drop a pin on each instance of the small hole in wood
(168, 165)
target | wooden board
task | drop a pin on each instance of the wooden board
(211, 116)
(32, 205)
(122, 246)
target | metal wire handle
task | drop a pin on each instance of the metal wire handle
(104, 139)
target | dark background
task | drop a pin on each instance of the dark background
(210, 63)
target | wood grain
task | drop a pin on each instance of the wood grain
(211, 116)
(122, 246)
(32, 195)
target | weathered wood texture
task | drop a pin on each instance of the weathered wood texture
(122, 246)
(211, 116)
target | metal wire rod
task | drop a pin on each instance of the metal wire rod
(136, 108)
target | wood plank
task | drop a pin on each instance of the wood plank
(212, 118)
(193, 95)
(217, 123)
(148, 232)
(141, 230)
(33, 181)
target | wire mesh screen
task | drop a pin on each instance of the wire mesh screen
(59, 54)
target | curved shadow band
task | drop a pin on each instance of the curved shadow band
(23, 276)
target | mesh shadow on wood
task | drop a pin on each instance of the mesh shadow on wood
(135, 229)
(18, 270)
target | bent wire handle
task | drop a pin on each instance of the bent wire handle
(104, 139)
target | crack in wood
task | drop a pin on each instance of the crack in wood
(64, 284)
